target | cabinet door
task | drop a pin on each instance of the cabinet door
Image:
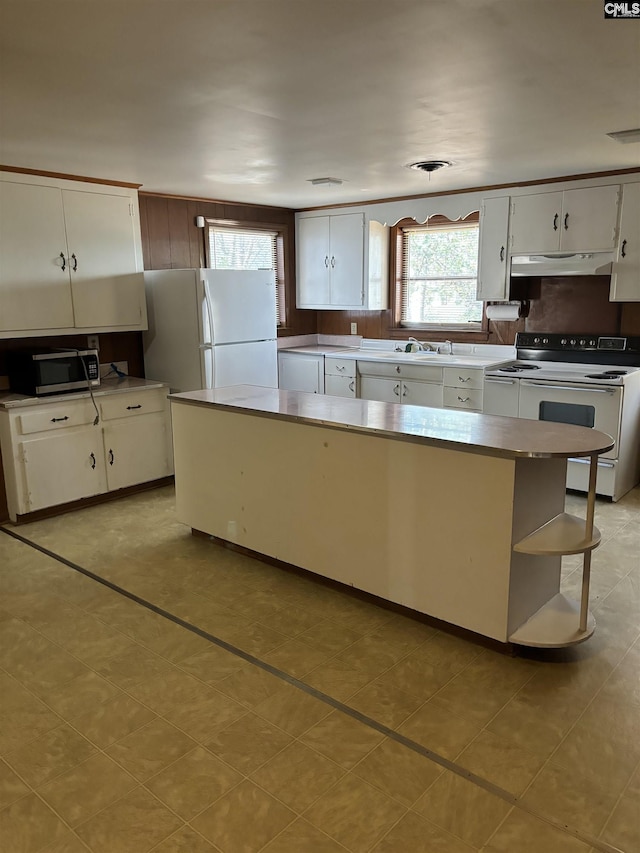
(535, 223)
(340, 386)
(34, 277)
(107, 288)
(299, 372)
(422, 393)
(625, 281)
(63, 467)
(136, 450)
(385, 390)
(493, 265)
(589, 219)
(313, 262)
(346, 260)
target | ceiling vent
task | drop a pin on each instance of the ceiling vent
(626, 136)
(323, 182)
(429, 165)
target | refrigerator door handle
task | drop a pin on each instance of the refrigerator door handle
(207, 299)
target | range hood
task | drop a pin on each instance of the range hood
(561, 263)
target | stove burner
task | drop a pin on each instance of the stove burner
(616, 372)
(610, 374)
(518, 368)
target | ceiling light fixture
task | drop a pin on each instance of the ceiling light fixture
(626, 136)
(323, 182)
(429, 165)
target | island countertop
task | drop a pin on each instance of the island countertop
(470, 432)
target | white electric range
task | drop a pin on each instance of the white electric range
(588, 380)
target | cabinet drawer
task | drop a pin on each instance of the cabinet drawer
(339, 367)
(423, 373)
(463, 377)
(59, 416)
(131, 403)
(463, 398)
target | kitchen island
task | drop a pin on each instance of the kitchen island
(453, 514)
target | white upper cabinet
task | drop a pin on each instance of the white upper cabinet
(493, 258)
(579, 220)
(625, 281)
(106, 287)
(70, 257)
(342, 262)
(34, 276)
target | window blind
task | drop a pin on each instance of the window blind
(439, 272)
(245, 249)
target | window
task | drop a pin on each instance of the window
(437, 271)
(232, 246)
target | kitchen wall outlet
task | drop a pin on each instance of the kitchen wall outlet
(93, 341)
(232, 531)
(354, 328)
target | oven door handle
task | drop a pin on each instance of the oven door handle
(569, 388)
(499, 380)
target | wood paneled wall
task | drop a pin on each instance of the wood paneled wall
(572, 304)
(171, 240)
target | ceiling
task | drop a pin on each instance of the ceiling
(246, 100)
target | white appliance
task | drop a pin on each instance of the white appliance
(591, 381)
(211, 328)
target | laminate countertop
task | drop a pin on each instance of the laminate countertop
(11, 400)
(470, 432)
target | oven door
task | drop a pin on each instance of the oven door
(581, 405)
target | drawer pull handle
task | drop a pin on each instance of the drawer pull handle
(566, 222)
(340, 368)
(134, 407)
(396, 390)
(502, 253)
(75, 263)
(93, 460)
(110, 456)
(57, 420)
(404, 390)
(623, 249)
(397, 368)
(464, 379)
(464, 399)
(555, 222)
(326, 261)
(64, 262)
(352, 385)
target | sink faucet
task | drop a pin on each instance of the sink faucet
(420, 344)
(449, 344)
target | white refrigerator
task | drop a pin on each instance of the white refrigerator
(211, 328)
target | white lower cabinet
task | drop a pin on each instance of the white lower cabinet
(60, 467)
(340, 377)
(463, 388)
(53, 453)
(394, 383)
(299, 371)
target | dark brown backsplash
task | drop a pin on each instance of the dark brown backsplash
(570, 304)
(117, 346)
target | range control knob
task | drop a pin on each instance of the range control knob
(545, 340)
(563, 341)
(536, 340)
(582, 342)
(572, 342)
(592, 343)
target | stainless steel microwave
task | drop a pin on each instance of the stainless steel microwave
(52, 371)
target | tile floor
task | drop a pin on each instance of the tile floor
(123, 732)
